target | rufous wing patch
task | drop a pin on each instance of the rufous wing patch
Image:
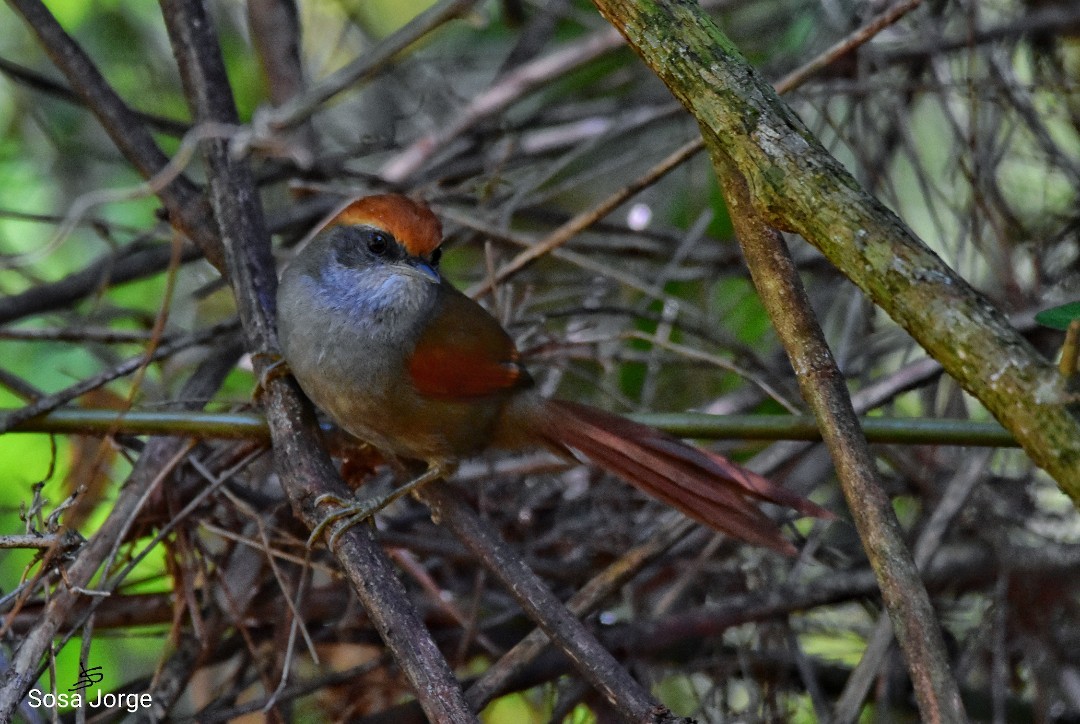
(463, 352)
(455, 373)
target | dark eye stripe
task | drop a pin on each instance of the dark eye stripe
(358, 245)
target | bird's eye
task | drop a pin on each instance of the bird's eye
(436, 255)
(378, 243)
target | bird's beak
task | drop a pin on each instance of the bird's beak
(427, 270)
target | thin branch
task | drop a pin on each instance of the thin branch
(40, 83)
(104, 335)
(136, 260)
(1034, 21)
(298, 109)
(188, 208)
(595, 664)
(846, 46)
(133, 261)
(253, 426)
(849, 704)
(146, 473)
(512, 87)
(40, 541)
(167, 349)
(495, 680)
(275, 33)
(584, 220)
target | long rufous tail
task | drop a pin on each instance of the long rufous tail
(705, 486)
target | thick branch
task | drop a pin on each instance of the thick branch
(796, 185)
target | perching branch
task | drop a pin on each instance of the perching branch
(302, 463)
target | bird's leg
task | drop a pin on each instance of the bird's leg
(357, 511)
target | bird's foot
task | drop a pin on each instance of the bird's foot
(276, 367)
(353, 511)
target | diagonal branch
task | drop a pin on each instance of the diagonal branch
(796, 185)
(301, 106)
(41, 84)
(184, 201)
(48, 403)
(780, 289)
(595, 663)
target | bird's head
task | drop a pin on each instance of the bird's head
(388, 232)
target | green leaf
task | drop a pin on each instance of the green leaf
(1059, 317)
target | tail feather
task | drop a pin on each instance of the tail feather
(705, 486)
(743, 522)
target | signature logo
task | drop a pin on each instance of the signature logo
(89, 677)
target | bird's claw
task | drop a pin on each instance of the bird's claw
(276, 367)
(354, 511)
(357, 511)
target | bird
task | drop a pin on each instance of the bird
(395, 355)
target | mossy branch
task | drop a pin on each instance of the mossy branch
(797, 186)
